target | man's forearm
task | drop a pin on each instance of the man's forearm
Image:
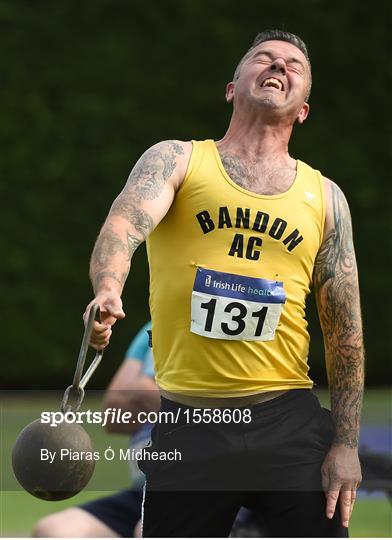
(345, 358)
(344, 352)
(110, 261)
(346, 380)
(125, 229)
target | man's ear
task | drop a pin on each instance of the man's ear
(303, 113)
(230, 91)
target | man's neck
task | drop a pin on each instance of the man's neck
(256, 140)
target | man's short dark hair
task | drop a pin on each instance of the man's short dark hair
(279, 35)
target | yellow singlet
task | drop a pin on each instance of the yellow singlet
(229, 274)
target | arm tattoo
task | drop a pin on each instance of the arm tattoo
(146, 182)
(133, 243)
(139, 218)
(153, 169)
(107, 246)
(103, 275)
(337, 295)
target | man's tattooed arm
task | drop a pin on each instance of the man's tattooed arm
(140, 206)
(337, 295)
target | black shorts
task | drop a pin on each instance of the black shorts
(120, 512)
(271, 465)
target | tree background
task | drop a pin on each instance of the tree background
(87, 86)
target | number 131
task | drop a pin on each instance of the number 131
(239, 319)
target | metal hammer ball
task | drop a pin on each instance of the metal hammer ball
(64, 477)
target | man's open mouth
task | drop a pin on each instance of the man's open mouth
(271, 82)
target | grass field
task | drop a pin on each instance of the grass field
(19, 510)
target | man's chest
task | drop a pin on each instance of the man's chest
(267, 178)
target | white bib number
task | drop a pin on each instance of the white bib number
(230, 306)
